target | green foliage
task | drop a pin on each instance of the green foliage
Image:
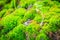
(28, 19)
(55, 23)
(5, 12)
(12, 4)
(42, 36)
(56, 0)
(2, 13)
(19, 12)
(32, 30)
(17, 33)
(3, 2)
(26, 3)
(30, 14)
(38, 18)
(8, 11)
(9, 22)
(46, 28)
(3, 37)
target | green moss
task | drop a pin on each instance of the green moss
(32, 30)
(2, 13)
(38, 18)
(26, 3)
(19, 12)
(55, 22)
(42, 36)
(28, 19)
(30, 14)
(9, 22)
(17, 33)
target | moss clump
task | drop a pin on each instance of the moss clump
(42, 36)
(17, 33)
(9, 22)
(19, 12)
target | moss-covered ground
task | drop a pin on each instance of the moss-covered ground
(29, 19)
